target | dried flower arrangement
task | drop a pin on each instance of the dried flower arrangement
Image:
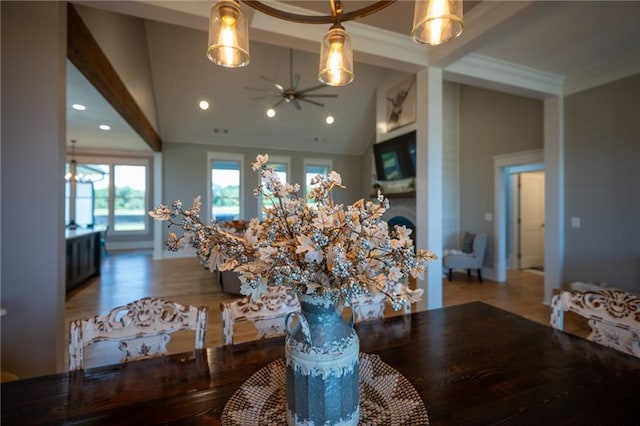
(316, 247)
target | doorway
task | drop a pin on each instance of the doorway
(529, 220)
(505, 167)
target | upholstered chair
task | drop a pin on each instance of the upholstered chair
(467, 260)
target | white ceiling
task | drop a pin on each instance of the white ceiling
(535, 48)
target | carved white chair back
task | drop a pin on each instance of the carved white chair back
(267, 314)
(614, 316)
(369, 308)
(142, 328)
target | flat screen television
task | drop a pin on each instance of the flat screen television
(396, 158)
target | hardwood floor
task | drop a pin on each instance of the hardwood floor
(127, 276)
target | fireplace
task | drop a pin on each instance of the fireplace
(400, 221)
(404, 207)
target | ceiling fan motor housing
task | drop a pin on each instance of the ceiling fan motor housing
(292, 95)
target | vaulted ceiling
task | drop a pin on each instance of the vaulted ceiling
(530, 48)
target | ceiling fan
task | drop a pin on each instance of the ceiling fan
(291, 94)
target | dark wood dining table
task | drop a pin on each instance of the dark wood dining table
(472, 364)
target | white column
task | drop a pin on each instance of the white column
(429, 180)
(554, 194)
(500, 178)
(159, 248)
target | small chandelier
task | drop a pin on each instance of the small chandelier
(72, 175)
(434, 22)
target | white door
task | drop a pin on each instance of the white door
(532, 220)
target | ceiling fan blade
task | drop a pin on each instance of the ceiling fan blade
(277, 103)
(310, 89)
(297, 104)
(255, 98)
(257, 89)
(295, 81)
(311, 102)
(276, 85)
(318, 96)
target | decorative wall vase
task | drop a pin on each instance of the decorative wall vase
(321, 352)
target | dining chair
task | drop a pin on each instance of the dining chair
(613, 315)
(103, 240)
(142, 328)
(370, 308)
(267, 314)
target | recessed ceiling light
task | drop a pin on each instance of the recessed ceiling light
(104, 127)
(271, 113)
(204, 105)
(329, 119)
(78, 107)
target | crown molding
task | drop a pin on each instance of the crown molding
(507, 74)
(595, 77)
(478, 24)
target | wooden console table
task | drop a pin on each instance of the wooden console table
(83, 255)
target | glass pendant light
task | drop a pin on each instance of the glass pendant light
(228, 35)
(336, 58)
(72, 174)
(436, 21)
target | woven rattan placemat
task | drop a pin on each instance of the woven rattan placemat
(386, 397)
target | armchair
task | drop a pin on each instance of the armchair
(468, 261)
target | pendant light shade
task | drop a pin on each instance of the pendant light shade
(228, 35)
(436, 21)
(336, 58)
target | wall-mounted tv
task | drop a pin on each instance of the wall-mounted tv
(396, 158)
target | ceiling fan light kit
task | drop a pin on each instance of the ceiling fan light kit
(434, 22)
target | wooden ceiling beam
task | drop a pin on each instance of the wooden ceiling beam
(85, 53)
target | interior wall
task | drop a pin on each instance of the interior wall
(34, 47)
(602, 185)
(367, 170)
(491, 123)
(450, 166)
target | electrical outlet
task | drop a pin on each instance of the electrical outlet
(575, 222)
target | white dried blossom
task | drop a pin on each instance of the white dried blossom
(161, 213)
(261, 161)
(334, 177)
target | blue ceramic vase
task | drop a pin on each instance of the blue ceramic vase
(321, 351)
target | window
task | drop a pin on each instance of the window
(101, 184)
(280, 166)
(225, 186)
(82, 203)
(312, 168)
(112, 192)
(130, 188)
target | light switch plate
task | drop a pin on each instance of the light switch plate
(575, 222)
